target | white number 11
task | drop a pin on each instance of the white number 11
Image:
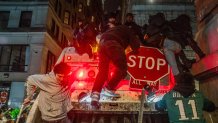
(182, 111)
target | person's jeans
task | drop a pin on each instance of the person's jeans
(171, 48)
(110, 51)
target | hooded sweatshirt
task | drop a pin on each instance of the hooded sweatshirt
(54, 99)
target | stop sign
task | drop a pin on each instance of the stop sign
(148, 65)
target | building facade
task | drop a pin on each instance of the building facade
(31, 39)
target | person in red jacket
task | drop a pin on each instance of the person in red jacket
(112, 47)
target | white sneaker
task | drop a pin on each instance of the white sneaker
(109, 93)
(84, 97)
(95, 97)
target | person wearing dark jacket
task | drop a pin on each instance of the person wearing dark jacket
(135, 27)
(112, 50)
(110, 22)
(85, 35)
(183, 103)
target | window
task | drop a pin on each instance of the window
(52, 27)
(69, 1)
(73, 21)
(66, 17)
(64, 41)
(56, 33)
(59, 9)
(51, 59)
(4, 17)
(25, 18)
(14, 58)
(56, 5)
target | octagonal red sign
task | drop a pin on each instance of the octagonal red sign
(148, 65)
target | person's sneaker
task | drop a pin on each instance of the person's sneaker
(84, 97)
(109, 93)
(95, 97)
(95, 105)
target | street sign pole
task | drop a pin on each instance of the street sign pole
(140, 116)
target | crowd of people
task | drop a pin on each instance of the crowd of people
(183, 102)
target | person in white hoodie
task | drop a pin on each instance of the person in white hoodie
(54, 96)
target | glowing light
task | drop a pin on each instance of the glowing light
(97, 57)
(81, 84)
(80, 74)
(70, 73)
(68, 57)
(95, 49)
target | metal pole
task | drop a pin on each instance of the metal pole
(140, 116)
(19, 115)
